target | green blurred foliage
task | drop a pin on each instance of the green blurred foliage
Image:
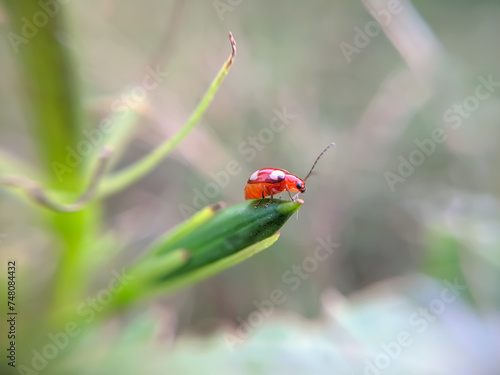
(397, 247)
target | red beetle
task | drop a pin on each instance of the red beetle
(270, 181)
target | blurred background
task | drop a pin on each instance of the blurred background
(405, 206)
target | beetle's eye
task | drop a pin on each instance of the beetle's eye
(299, 185)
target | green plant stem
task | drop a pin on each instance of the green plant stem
(129, 175)
(54, 112)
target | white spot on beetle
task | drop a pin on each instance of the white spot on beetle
(254, 176)
(277, 175)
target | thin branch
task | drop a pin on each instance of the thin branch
(34, 191)
(133, 173)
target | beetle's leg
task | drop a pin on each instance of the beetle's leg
(281, 195)
(268, 203)
(258, 204)
(286, 186)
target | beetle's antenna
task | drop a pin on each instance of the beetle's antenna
(320, 155)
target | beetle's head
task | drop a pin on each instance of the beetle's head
(301, 186)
